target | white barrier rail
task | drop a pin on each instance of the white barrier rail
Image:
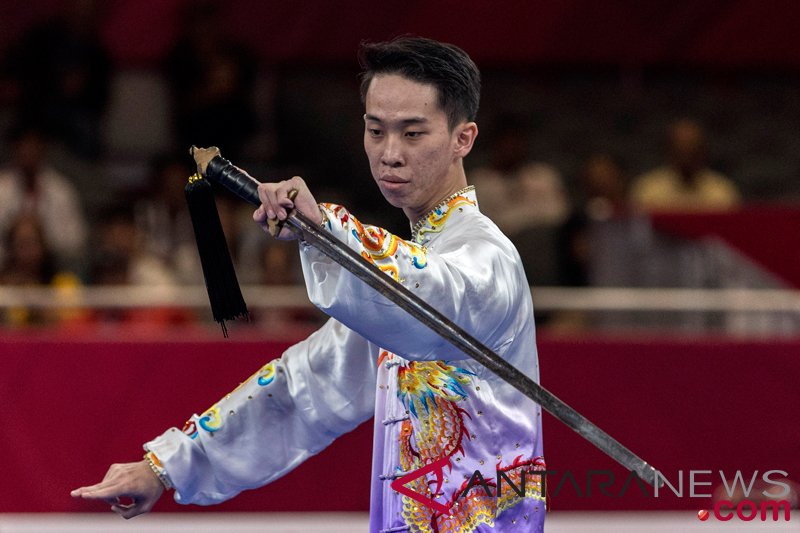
(545, 298)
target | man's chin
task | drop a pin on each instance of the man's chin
(394, 198)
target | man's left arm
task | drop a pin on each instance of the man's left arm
(471, 275)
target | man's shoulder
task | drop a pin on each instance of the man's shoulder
(654, 183)
(662, 174)
(478, 230)
(715, 178)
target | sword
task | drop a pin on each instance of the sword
(220, 170)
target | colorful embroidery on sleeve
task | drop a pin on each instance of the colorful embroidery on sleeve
(266, 375)
(211, 420)
(378, 246)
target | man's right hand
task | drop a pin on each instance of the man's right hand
(132, 481)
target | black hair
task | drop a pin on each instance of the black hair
(445, 66)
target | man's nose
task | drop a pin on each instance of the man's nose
(392, 155)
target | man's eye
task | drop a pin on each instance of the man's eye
(374, 132)
(414, 134)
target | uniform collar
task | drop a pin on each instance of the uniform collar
(435, 220)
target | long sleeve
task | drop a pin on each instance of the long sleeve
(289, 410)
(459, 276)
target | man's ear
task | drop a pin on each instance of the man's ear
(465, 138)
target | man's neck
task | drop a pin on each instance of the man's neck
(415, 215)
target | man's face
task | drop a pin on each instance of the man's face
(687, 147)
(414, 157)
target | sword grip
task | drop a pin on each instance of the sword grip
(234, 179)
(242, 185)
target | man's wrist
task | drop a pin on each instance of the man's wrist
(158, 469)
(324, 217)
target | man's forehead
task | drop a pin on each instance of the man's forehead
(395, 97)
(412, 119)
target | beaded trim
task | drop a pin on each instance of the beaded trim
(421, 222)
(158, 470)
(324, 222)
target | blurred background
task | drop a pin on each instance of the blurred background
(643, 156)
(620, 146)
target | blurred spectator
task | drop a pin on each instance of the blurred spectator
(29, 185)
(257, 258)
(120, 258)
(212, 79)
(684, 183)
(526, 199)
(165, 227)
(29, 262)
(60, 74)
(118, 255)
(515, 192)
(162, 219)
(281, 264)
(604, 187)
(267, 261)
(240, 231)
(603, 196)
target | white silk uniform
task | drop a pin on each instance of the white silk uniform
(433, 406)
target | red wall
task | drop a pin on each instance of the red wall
(73, 405)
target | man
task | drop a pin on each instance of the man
(685, 183)
(31, 186)
(432, 405)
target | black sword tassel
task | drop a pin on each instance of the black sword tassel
(223, 289)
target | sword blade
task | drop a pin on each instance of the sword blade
(311, 233)
(245, 186)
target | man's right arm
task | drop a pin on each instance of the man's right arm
(289, 410)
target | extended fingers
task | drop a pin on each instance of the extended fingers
(130, 489)
(89, 490)
(110, 494)
(101, 491)
(111, 485)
